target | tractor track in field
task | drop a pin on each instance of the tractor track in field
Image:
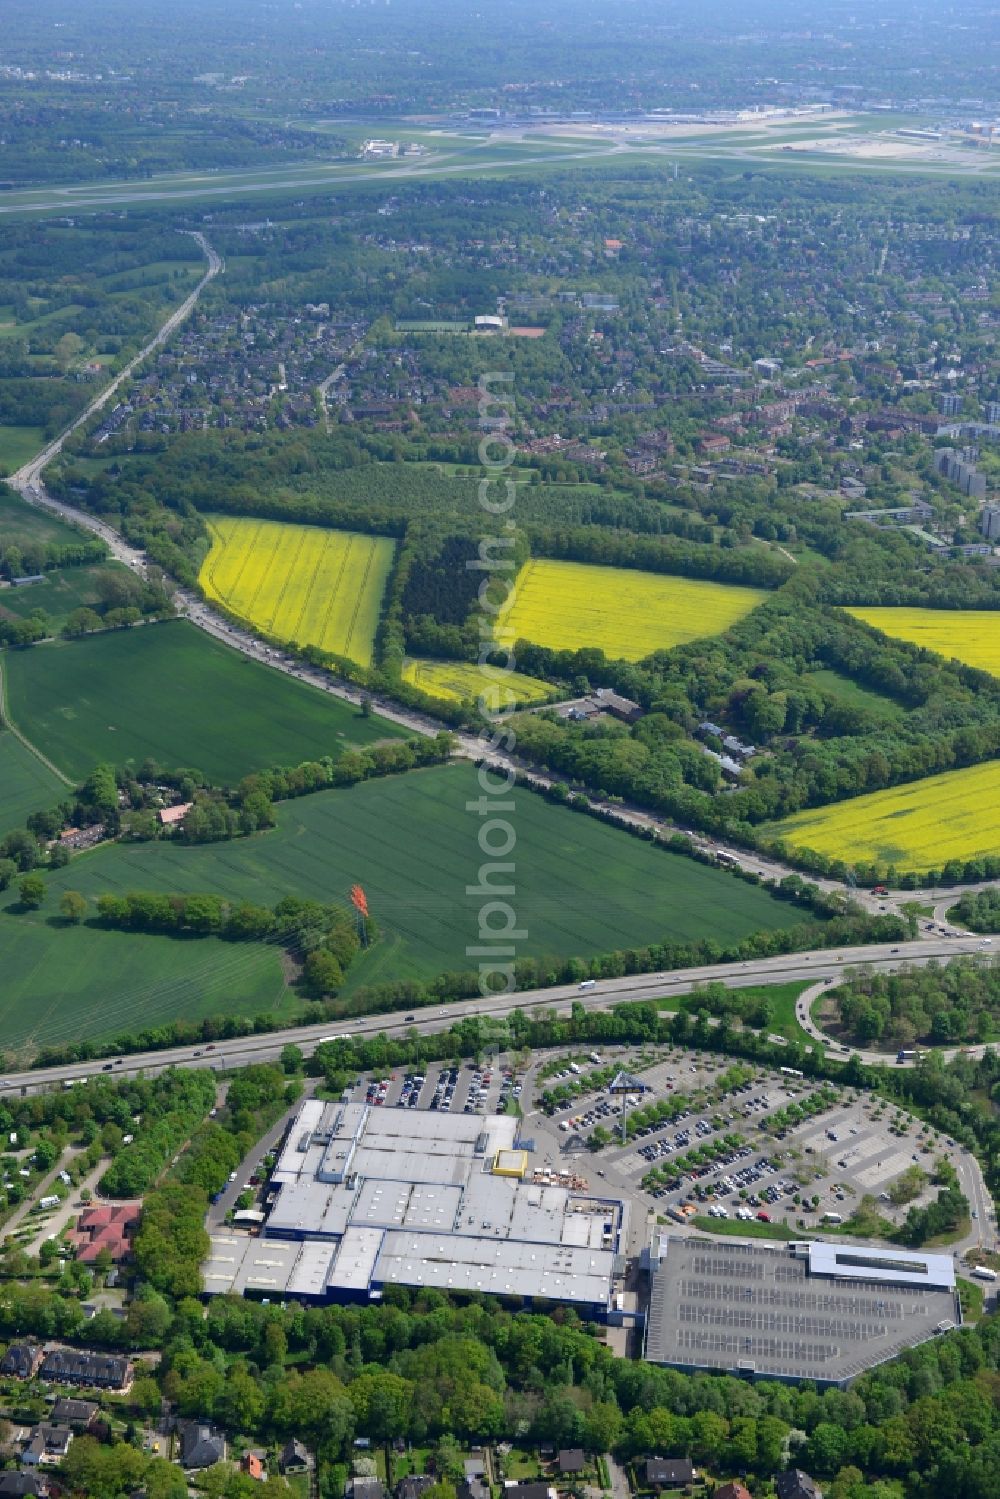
(8, 722)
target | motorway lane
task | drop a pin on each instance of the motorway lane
(238, 1052)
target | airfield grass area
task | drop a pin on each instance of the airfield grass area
(625, 612)
(169, 693)
(300, 583)
(68, 984)
(465, 681)
(971, 636)
(26, 785)
(582, 887)
(918, 826)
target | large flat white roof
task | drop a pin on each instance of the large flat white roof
(312, 1208)
(898, 1267)
(368, 1195)
(354, 1265)
(501, 1267)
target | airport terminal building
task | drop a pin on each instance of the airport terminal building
(823, 1311)
(365, 1197)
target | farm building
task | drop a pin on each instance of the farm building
(365, 1198)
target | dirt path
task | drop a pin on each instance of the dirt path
(32, 749)
(69, 1209)
(40, 1190)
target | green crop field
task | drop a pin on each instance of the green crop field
(300, 583)
(25, 784)
(582, 887)
(21, 522)
(17, 445)
(63, 984)
(169, 693)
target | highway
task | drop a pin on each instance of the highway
(225, 1055)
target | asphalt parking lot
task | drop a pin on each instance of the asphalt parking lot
(732, 1160)
(466, 1089)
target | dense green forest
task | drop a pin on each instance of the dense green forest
(950, 1004)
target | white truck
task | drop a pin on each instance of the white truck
(983, 1272)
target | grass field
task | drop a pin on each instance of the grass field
(168, 692)
(300, 583)
(462, 681)
(62, 591)
(732, 1228)
(25, 784)
(61, 985)
(971, 636)
(849, 691)
(582, 887)
(22, 523)
(628, 614)
(918, 826)
(17, 445)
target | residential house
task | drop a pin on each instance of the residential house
(514, 1490)
(106, 1228)
(56, 1439)
(571, 1461)
(474, 1488)
(734, 1490)
(252, 1464)
(201, 1445)
(669, 1472)
(22, 1486)
(294, 1457)
(33, 1451)
(76, 1413)
(171, 817)
(102, 1371)
(365, 1488)
(21, 1361)
(413, 1486)
(796, 1485)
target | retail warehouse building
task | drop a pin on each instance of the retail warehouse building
(804, 1310)
(363, 1198)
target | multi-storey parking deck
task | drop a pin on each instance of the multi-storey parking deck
(820, 1311)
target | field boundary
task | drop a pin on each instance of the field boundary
(8, 722)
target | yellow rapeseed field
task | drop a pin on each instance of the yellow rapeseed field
(300, 583)
(971, 636)
(461, 681)
(627, 613)
(918, 826)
